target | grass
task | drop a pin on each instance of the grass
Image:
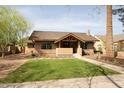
(52, 69)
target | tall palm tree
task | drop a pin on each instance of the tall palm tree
(109, 33)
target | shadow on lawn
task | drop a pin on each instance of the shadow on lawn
(103, 72)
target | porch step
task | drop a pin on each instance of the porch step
(65, 56)
(76, 55)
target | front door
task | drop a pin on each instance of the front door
(70, 44)
(74, 46)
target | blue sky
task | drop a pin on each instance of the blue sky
(66, 18)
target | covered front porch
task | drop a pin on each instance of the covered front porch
(70, 45)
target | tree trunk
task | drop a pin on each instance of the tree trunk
(23, 49)
(3, 54)
(109, 33)
(13, 49)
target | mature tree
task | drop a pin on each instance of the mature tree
(4, 29)
(12, 25)
(21, 32)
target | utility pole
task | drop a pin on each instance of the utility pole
(109, 33)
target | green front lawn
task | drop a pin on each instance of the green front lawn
(49, 69)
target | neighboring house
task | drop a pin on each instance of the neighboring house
(47, 43)
(118, 42)
(9, 49)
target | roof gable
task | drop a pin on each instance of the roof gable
(70, 34)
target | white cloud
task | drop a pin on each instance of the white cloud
(63, 24)
(74, 22)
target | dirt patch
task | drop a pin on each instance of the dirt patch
(12, 62)
(7, 66)
(16, 57)
(109, 60)
(113, 61)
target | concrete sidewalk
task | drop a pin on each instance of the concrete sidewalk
(114, 81)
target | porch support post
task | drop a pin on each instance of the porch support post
(78, 44)
(59, 44)
(79, 49)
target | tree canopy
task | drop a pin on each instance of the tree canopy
(120, 12)
(13, 27)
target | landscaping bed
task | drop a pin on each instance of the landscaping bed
(5, 66)
(52, 69)
(113, 61)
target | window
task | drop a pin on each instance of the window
(65, 44)
(83, 45)
(46, 45)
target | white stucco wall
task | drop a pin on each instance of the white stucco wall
(98, 44)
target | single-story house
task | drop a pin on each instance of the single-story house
(49, 43)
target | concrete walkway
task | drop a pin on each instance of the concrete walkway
(113, 67)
